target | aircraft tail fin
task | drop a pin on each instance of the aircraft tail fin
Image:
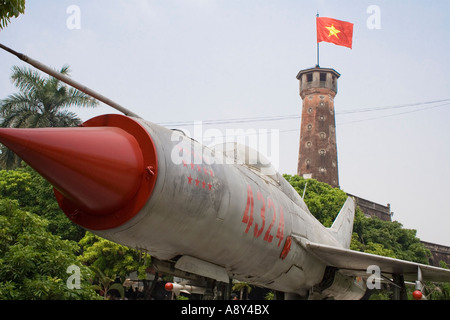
(342, 227)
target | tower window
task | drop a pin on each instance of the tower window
(323, 76)
(309, 77)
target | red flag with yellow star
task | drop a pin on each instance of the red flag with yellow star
(334, 31)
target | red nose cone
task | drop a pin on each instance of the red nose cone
(169, 286)
(103, 173)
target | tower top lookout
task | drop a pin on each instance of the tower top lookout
(318, 80)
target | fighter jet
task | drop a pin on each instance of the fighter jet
(221, 213)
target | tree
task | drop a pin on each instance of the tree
(115, 260)
(15, 184)
(323, 201)
(390, 237)
(34, 262)
(241, 287)
(41, 102)
(106, 284)
(10, 9)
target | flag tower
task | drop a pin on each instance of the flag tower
(317, 156)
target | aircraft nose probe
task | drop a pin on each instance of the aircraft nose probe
(103, 173)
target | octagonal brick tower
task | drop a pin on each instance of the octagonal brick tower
(317, 156)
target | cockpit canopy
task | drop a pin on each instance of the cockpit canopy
(241, 154)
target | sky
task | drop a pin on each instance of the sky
(187, 63)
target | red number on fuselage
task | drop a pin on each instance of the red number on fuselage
(263, 215)
(248, 217)
(280, 232)
(268, 237)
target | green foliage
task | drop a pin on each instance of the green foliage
(242, 287)
(270, 296)
(378, 249)
(34, 196)
(106, 284)
(390, 237)
(34, 262)
(323, 201)
(113, 259)
(10, 9)
(15, 184)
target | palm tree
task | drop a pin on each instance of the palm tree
(241, 287)
(41, 102)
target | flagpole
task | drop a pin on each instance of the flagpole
(317, 65)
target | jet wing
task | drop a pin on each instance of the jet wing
(359, 261)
